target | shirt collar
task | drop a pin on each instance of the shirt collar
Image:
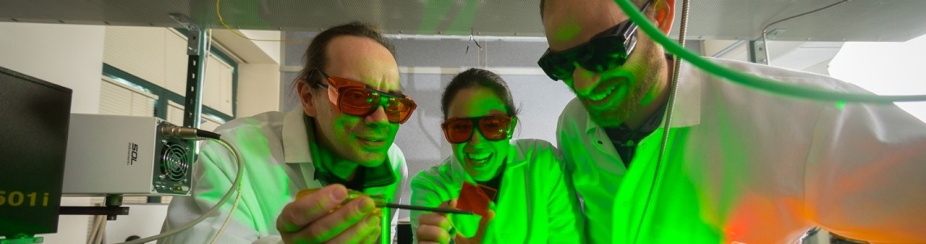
(296, 138)
(687, 111)
(296, 134)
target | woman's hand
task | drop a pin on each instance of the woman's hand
(438, 228)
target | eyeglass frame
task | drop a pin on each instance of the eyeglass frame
(512, 120)
(334, 94)
(625, 31)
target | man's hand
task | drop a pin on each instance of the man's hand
(437, 227)
(321, 217)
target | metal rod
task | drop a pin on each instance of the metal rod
(673, 85)
(420, 208)
(728, 48)
(87, 210)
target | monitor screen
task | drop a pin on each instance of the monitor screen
(33, 138)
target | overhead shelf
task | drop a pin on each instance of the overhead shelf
(860, 20)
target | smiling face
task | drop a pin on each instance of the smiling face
(480, 157)
(363, 140)
(610, 96)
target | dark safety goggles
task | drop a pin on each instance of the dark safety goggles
(357, 99)
(493, 128)
(604, 51)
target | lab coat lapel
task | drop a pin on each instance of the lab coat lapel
(513, 201)
(633, 194)
(634, 191)
(296, 153)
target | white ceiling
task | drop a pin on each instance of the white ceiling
(806, 56)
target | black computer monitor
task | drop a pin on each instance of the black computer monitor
(33, 138)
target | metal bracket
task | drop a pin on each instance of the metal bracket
(112, 208)
(184, 20)
(193, 43)
(110, 212)
(758, 48)
(758, 52)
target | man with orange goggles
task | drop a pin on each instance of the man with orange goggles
(340, 139)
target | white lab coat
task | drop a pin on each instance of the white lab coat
(278, 163)
(754, 167)
(535, 204)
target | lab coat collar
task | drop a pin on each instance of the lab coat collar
(516, 155)
(296, 138)
(687, 110)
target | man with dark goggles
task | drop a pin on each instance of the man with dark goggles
(493, 128)
(358, 99)
(734, 164)
(604, 51)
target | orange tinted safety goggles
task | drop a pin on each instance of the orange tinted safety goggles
(358, 99)
(493, 128)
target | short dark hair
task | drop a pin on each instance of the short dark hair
(478, 78)
(316, 58)
(637, 3)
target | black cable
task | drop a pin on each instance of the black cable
(208, 134)
(173, 131)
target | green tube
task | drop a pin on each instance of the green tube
(385, 224)
(748, 79)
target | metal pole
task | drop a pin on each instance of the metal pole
(197, 50)
(196, 71)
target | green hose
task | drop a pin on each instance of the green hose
(748, 79)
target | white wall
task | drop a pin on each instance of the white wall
(885, 68)
(68, 55)
(252, 52)
(258, 88)
(270, 45)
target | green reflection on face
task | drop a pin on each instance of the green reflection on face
(480, 157)
(361, 140)
(611, 96)
(567, 31)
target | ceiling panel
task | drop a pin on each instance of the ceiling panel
(860, 20)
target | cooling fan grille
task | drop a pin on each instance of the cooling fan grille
(174, 165)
